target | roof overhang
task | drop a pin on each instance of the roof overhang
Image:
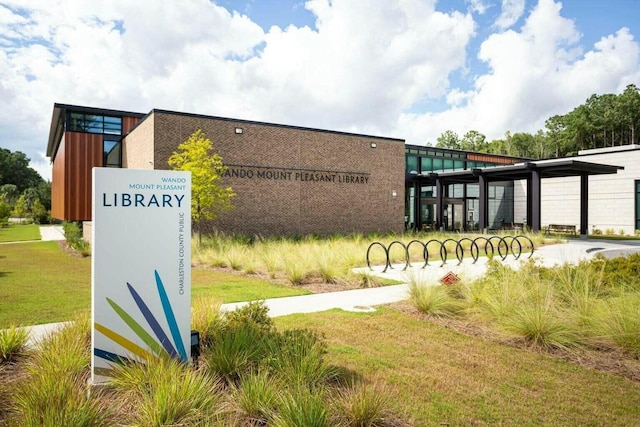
(554, 168)
(58, 118)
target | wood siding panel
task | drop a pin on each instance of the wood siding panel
(128, 123)
(83, 153)
(58, 192)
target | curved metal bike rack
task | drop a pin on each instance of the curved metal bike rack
(505, 245)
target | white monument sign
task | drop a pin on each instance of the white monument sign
(141, 266)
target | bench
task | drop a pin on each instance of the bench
(560, 228)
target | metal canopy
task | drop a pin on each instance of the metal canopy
(556, 168)
(531, 171)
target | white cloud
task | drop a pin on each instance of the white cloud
(477, 6)
(533, 74)
(362, 68)
(512, 11)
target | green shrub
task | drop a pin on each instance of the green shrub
(72, 232)
(254, 313)
(621, 272)
(73, 235)
(5, 211)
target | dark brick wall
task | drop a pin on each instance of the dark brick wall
(279, 201)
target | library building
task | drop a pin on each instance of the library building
(292, 180)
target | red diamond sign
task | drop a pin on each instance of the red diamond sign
(449, 279)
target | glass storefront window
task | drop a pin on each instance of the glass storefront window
(448, 164)
(427, 165)
(428, 191)
(411, 164)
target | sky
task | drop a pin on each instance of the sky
(408, 69)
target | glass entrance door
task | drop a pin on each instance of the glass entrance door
(453, 215)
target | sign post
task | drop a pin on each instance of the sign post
(141, 267)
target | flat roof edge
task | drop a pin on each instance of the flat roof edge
(254, 122)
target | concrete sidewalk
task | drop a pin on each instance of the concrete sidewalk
(364, 300)
(51, 232)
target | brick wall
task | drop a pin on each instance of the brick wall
(294, 181)
(137, 147)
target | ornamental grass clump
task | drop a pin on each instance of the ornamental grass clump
(540, 321)
(301, 407)
(434, 299)
(620, 322)
(206, 318)
(55, 389)
(363, 405)
(163, 391)
(297, 357)
(256, 397)
(236, 351)
(13, 342)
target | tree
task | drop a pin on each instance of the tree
(14, 169)
(39, 212)
(5, 211)
(448, 139)
(474, 141)
(20, 209)
(208, 196)
(9, 193)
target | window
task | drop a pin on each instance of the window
(112, 157)
(79, 122)
(448, 164)
(427, 165)
(411, 164)
(637, 205)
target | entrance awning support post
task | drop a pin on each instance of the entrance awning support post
(584, 205)
(439, 203)
(534, 219)
(483, 202)
(417, 206)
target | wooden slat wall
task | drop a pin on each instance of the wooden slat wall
(58, 183)
(128, 123)
(71, 180)
(83, 152)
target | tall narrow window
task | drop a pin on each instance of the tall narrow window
(112, 153)
(637, 205)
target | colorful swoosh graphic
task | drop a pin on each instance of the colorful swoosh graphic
(152, 334)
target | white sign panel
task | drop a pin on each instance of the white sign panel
(141, 266)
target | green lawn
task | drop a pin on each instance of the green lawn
(18, 233)
(437, 376)
(40, 283)
(235, 288)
